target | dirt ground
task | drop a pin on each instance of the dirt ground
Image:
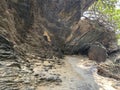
(79, 73)
(70, 73)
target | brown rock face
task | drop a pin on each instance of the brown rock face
(24, 23)
(37, 29)
(49, 27)
(87, 32)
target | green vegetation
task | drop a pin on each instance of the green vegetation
(108, 8)
(118, 41)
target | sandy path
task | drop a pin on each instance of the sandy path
(79, 73)
(88, 70)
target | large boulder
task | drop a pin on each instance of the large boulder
(97, 53)
(87, 32)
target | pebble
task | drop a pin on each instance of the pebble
(46, 63)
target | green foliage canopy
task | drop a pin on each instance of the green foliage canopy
(108, 8)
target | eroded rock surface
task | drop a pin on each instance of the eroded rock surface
(17, 74)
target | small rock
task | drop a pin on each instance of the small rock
(38, 64)
(48, 64)
(14, 65)
(37, 70)
(38, 58)
(25, 69)
(27, 88)
(52, 78)
(117, 61)
(26, 82)
(47, 68)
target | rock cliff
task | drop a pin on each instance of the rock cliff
(30, 31)
(28, 24)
